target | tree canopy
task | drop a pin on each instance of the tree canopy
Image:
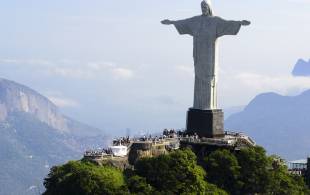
(245, 171)
(175, 173)
(77, 177)
(251, 171)
(224, 170)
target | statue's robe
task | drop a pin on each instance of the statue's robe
(205, 31)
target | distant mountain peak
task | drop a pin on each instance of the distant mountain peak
(264, 98)
(301, 61)
(15, 97)
(35, 134)
(268, 94)
(301, 68)
(279, 123)
(18, 98)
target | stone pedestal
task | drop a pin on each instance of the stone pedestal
(206, 123)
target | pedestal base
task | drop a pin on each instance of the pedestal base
(205, 123)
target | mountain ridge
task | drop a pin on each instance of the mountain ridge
(301, 68)
(278, 123)
(15, 97)
(35, 136)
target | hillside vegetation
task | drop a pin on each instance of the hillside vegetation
(249, 171)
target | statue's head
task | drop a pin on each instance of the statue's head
(206, 9)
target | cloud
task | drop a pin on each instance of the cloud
(33, 62)
(63, 102)
(233, 83)
(122, 73)
(68, 72)
(283, 84)
(60, 100)
(92, 71)
(72, 68)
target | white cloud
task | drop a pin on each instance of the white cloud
(63, 102)
(100, 66)
(261, 83)
(73, 68)
(71, 72)
(33, 62)
(238, 88)
(60, 100)
(122, 73)
(92, 70)
(9, 61)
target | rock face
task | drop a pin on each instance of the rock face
(15, 97)
(34, 136)
(144, 149)
(302, 68)
(18, 98)
(279, 123)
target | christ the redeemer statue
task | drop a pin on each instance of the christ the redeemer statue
(205, 30)
(204, 118)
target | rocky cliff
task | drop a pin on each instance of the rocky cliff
(15, 97)
(34, 136)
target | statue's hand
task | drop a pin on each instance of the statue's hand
(245, 23)
(166, 22)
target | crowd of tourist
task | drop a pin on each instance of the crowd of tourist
(126, 141)
(122, 141)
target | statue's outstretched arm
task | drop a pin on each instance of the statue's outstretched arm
(245, 23)
(183, 26)
(229, 27)
(167, 22)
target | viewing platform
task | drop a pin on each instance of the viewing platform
(126, 151)
(230, 139)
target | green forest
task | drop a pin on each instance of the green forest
(221, 172)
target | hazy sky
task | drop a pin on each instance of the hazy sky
(112, 64)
